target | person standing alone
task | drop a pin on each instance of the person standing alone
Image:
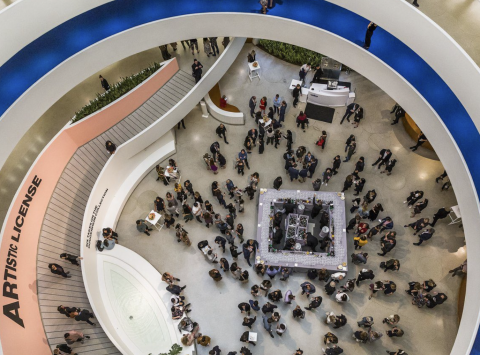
(104, 83)
(368, 36)
(222, 130)
(197, 70)
(297, 92)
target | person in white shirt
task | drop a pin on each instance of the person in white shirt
(341, 297)
(197, 211)
(338, 276)
(281, 328)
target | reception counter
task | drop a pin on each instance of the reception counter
(319, 94)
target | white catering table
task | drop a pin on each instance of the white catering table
(253, 72)
(155, 222)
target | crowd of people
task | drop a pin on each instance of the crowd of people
(367, 228)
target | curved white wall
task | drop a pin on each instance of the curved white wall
(132, 161)
(71, 72)
(429, 41)
(26, 20)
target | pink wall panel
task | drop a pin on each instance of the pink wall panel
(21, 328)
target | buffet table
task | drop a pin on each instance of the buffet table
(272, 201)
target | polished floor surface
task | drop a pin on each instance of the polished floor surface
(427, 331)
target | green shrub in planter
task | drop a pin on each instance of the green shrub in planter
(290, 53)
(116, 91)
(175, 350)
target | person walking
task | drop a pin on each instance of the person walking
(418, 225)
(104, 83)
(267, 324)
(347, 183)
(368, 35)
(387, 243)
(349, 111)
(364, 274)
(142, 226)
(383, 157)
(441, 214)
(424, 236)
(462, 269)
(214, 44)
(111, 147)
(194, 45)
(74, 259)
(197, 70)
(207, 48)
(315, 302)
(297, 92)
(358, 116)
(322, 140)
(420, 140)
(349, 141)
(222, 131)
(58, 270)
(252, 103)
(74, 336)
(336, 164)
(350, 151)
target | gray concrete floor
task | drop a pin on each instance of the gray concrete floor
(427, 331)
(55, 118)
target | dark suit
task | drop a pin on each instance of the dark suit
(383, 158)
(350, 110)
(197, 71)
(252, 104)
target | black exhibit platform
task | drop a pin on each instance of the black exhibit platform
(319, 113)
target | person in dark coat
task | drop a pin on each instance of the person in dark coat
(389, 167)
(368, 35)
(359, 184)
(277, 183)
(375, 211)
(424, 236)
(252, 103)
(58, 270)
(413, 198)
(293, 172)
(297, 92)
(197, 70)
(277, 235)
(312, 165)
(441, 214)
(72, 258)
(330, 288)
(222, 131)
(419, 207)
(383, 157)
(364, 274)
(360, 165)
(111, 147)
(312, 241)
(349, 111)
(317, 207)
(318, 73)
(336, 164)
(104, 82)
(261, 145)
